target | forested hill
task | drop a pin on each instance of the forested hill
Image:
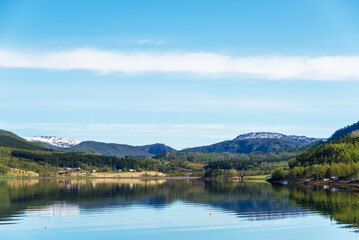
(119, 150)
(343, 150)
(351, 129)
(9, 139)
(156, 148)
(339, 158)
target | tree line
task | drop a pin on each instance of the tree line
(75, 160)
(344, 131)
(339, 158)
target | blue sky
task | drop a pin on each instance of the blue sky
(184, 73)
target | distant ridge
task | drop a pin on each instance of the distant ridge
(119, 150)
(256, 142)
(245, 143)
(156, 148)
(106, 149)
(270, 135)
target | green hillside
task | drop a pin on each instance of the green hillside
(335, 158)
(351, 129)
(343, 150)
(9, 139)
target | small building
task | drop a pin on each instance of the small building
(93, 171)
(120, 170)
(131, 170)
(334, 178)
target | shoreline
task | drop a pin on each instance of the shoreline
(140, 178)
(345, 185)
(234, 179)
(89, 178)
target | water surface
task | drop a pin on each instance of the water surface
(135, 209)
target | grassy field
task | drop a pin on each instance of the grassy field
(258, 177)
(6, 175)
(256, 181)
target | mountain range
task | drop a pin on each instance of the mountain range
(106, 149)
(256, 142)
(246, 143)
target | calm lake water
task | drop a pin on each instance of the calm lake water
(135, 209)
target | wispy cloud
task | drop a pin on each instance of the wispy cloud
(164, 104)
(150, 42)
(198, 63)
(181, 130)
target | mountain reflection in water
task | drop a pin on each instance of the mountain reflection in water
(252, 201)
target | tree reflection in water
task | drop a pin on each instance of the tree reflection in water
(254, 201)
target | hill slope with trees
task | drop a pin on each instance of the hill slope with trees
(350, 129)
(9, 139)
(339, 158)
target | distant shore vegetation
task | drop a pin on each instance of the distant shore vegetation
(338, 158)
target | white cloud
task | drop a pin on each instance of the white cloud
(198, 63)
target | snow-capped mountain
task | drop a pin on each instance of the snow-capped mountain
(270, 135)
(52, 141)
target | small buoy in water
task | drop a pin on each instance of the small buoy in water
(45, 227)
(210, 213)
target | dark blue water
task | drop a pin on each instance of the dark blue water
(134, 209)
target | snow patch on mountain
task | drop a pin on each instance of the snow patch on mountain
(52, 141)
(270, 135)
